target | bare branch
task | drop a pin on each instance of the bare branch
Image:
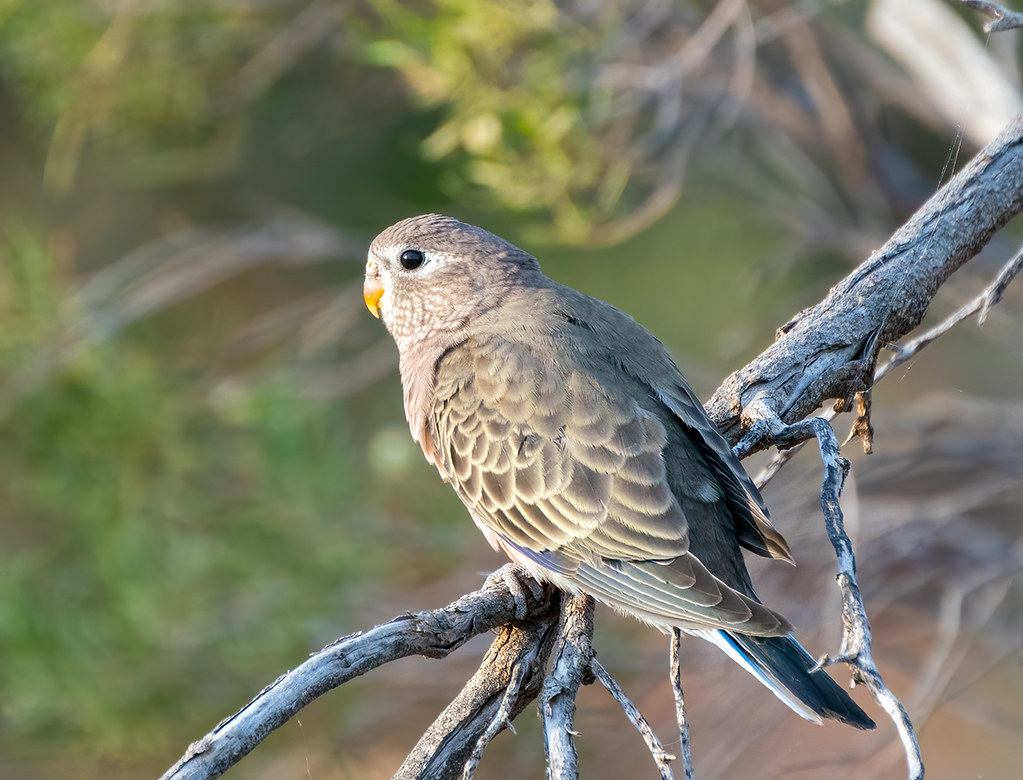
(1001, 18)
(661, 757)
(680, 704)
(982, 304)
(571, 669)
(492, 698)
(432, 634)
(856, 638)
(500, 721)
(830, 350)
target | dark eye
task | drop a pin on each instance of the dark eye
(411, 259)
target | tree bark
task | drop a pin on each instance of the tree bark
(829, 350)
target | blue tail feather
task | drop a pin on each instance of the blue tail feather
(788, 670)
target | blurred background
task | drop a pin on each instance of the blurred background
(205, 472)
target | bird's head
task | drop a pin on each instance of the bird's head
(433, 275)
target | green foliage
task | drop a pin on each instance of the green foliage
(172, 88)
(153, 80)
(513, 120)
(151, 530)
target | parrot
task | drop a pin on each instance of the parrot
(579, 449)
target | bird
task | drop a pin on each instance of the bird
(579, 449)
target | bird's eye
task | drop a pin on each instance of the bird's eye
(411, 259)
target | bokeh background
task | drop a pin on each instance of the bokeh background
(205, 472)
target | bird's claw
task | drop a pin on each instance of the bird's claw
(518, 580)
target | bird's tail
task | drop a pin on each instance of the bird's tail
(784, 666)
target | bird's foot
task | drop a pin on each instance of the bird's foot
(521, 584)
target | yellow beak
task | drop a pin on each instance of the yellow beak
(372, 292)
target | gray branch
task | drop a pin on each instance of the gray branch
(829, 350)
(571, 669)
(509, 678)
(1002, 19)
(685, 751)
(856, 649)
(432, 634)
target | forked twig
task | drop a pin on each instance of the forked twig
(856, 646)
(1001, 18)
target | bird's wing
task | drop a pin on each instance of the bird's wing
(573, 478)
(755, 531)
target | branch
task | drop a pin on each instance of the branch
(571, 669)
(661, 756)
(432, 634)
(982, 305)
(830, 350)
(856, 648)
(502, 719)
(680, 704)
(508, 679)
(1001, 18)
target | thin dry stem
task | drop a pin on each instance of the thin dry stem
(660, 755)
(1001, 18)
(685, 753)
(856, 646)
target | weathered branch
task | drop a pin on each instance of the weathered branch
(856, 647)
(685, 752)
(830, 350)
(509, 678)
(980, 305)
(570, 670)
(1001, 18)
(433, 634)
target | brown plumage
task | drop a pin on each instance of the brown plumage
(578, 447)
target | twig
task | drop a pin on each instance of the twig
(680, 705)
(433, 634)
(856, 643)
(572, 657)
(981, 305)
(1001, 18)
(661, 757)
(501, 719)
(444, 749)
(829, 351)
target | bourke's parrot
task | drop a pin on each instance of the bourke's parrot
(579, 449)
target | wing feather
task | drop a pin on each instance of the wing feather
(573, 479)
